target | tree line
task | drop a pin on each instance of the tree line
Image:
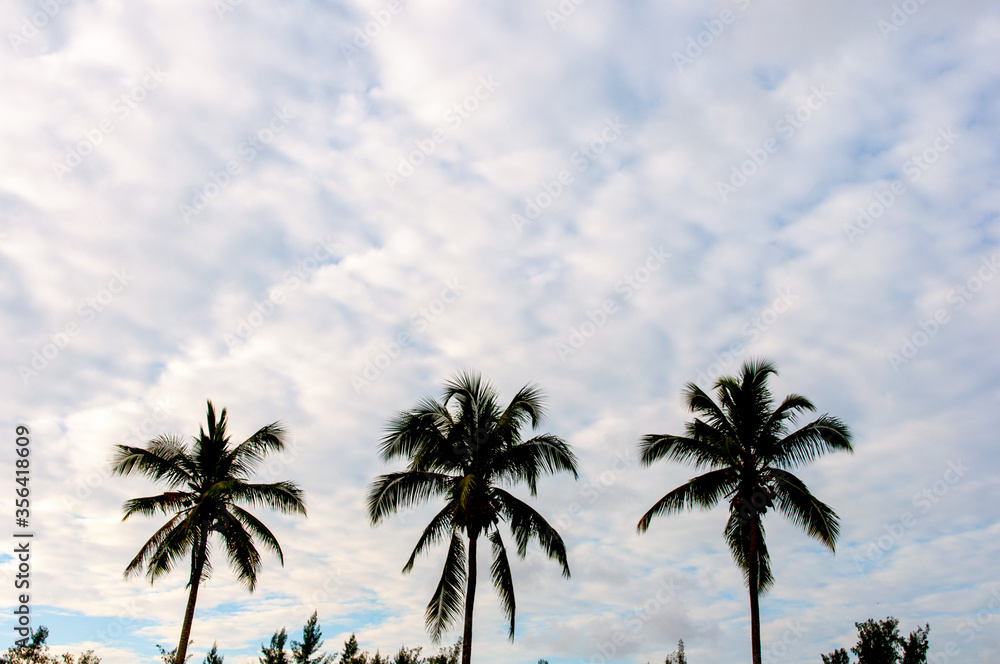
(469, 451)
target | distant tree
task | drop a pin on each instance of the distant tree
(677, 657)
(447, 655)
(351, 654)
(32, 650)
(275, 653)
(213, 656)
(838, 656)
(915, 647)
(170, 656)
(306, 652)
(407, 656)
(879, 642)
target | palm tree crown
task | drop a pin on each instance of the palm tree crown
(464, 449)
(208, 490)
(749, 448)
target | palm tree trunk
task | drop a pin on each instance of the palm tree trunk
(197, 566)
(470, 599)
(754, 579)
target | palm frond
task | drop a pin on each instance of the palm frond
(447, 602)
(699, 450)
(258, 530)
(737, 533)
(164, 459)
(285, 496)
(165, 503)
(527, 524)
(528, 460)
(433, 533)
(704, 491)
(503, 581)
(240, 551)
(803, 509)
(246, 457)
(822, 435)
(392, 492)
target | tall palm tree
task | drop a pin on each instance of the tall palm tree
(748, 447)
(464, 449)
(208, 488)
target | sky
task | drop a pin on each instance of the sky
(317, 212)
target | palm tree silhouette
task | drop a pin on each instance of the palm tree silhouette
(749, 449)
(464, 448)
(208, 487)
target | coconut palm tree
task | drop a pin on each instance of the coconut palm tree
(208, 488)
(465, 449)
(747, 445)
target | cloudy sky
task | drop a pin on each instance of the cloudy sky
(316, 212)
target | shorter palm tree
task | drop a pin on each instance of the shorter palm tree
(208, 490)
(463, 449)
(746, 443)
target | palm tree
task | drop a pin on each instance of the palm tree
(749, 449)
(208, 488)
(463, 449)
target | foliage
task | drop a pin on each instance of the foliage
(275, 653)
(464, 448)
(36, 652)
(170, 656)
(208, 488)
(677, 657)
(746, 443)
(307, 652)
(213, 656)
(352, 654)
(879, 642)
(838, 656)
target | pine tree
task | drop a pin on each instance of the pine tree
(213, 656)
(677, 657)
(275, 654)
(312, 640)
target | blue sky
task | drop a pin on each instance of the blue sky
(249, 202)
